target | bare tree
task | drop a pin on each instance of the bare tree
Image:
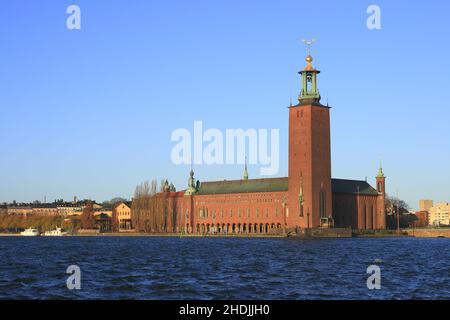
(146, 211)
(161, 186)
(87, 217)
(114, 220)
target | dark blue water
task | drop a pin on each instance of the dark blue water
(223, 268)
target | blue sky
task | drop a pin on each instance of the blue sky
(90, 112)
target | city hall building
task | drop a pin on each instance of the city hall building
(307, 198)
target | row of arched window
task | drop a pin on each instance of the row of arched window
(241, 213)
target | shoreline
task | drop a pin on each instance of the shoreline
(137, 234)
(412, 233)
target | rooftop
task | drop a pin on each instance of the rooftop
(280, 184)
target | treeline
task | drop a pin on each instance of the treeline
(404, 220)
(149, 209)
(13, 223)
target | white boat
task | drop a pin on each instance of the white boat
(55, 233)
(30, 232)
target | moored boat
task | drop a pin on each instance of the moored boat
(55, 233)
(30, 232)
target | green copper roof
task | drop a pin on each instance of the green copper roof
(244, 186)
(351, 186)
(279, 184)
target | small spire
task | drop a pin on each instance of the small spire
(380, 171)
(245, 175)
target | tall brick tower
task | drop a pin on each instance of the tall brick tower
(381, 200)
(309, 181)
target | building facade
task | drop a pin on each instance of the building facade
(439, 214)
(123, 214)
(307, 198)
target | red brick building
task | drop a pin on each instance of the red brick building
(307, 198)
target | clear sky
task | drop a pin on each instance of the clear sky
(90, 112)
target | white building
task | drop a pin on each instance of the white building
(439, 214)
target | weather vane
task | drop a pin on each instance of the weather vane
(309, 43)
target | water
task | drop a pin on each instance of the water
(223, 268)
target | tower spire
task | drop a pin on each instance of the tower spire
(380, 171)
(309, 92)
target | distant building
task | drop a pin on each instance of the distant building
(68, 209)
(103, 222)
(439, 214)
(123, 211)
(58, 208)
(103, 211)
(20, 210)
(76, 209)
(425, 205)
(45, 209)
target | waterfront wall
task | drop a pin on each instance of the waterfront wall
(428, 232)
